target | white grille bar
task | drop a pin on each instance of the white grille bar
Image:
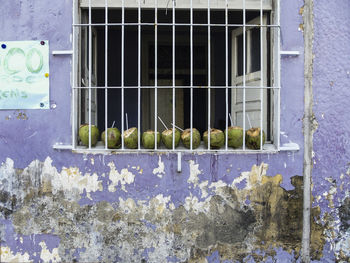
(139, 77)
(106, 75)
(244, 71)
(209, 79)
(178, 25)
(174, 84)
(122, 73)
(191, 73)
(200, 4)
(226, 74)
(180, 87)
(74, 74)
(155, 73)
(261, 76)
(90, 71)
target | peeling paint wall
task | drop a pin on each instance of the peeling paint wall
(249, 216)
(59, 206)
(331, 155)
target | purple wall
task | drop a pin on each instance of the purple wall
(331, 140)
(64, 206)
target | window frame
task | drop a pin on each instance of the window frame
(274, 76)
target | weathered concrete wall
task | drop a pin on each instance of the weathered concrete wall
(331, 140)
(109, 212)
(63, 206)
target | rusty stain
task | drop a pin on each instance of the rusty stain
(223, 222)
(22, 116)
(301, 27)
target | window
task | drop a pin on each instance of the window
(177, 63)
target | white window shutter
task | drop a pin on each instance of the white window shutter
(252, 79)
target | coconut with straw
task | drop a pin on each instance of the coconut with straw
(84, 134)
(148, 139)
(234, 135)
(186, 138)
(217, 138)
(253, 139)
(167, 136)
(131, 138)
(113, 137)
(130, 135)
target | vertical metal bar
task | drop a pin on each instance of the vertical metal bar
(106, 74)
(139, 78)
(209, 78)
(155, 72)
(174, 75)
(244, 71)
(278, 80)
(226, 74)
(191, 72)
(261, 76)
(74, 77)
(278, 117)
(122, 73)
(90, 71)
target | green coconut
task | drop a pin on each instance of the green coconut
(217, 138)
(186, 138)
(131, 138)
(167, 138)
(235, 136)
(113, 138)
(84, 134)
(148, 139)
(252, 138)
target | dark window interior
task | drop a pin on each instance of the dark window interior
(182, 62)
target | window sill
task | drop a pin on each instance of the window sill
(100, 149)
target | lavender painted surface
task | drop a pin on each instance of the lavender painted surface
(331, 140)
(28, 135)
(39, 130)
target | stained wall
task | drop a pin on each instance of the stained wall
(62, 206)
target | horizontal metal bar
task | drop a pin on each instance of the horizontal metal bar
(180, 4)
(171, 24)
(165, 151)
(178, 87)
(290, 53)
(62, 52)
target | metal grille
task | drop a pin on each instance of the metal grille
(268, 79)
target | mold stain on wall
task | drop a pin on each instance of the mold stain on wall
(335, 217)
(235, 222)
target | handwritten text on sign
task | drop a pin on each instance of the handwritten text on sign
(24, 75)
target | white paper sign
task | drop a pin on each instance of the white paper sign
(24, 75)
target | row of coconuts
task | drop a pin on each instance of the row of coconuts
(217, 138)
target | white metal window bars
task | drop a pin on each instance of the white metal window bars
(275, 72)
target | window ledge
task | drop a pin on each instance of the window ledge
(290, 147)
(60, 146)
(99, 149)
